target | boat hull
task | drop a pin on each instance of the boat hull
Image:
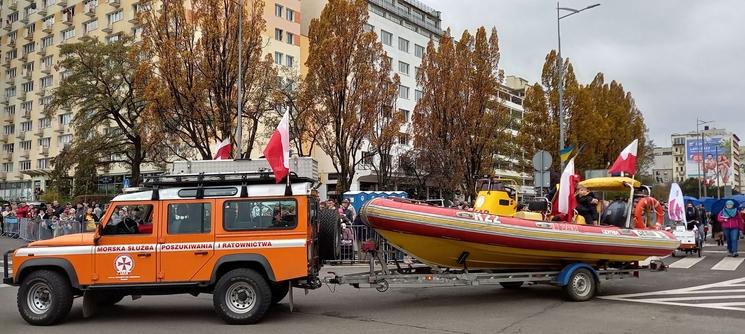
(442, 236)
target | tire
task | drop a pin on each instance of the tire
(511, 285)
(279, 291)
(242, 296)
(329, 244)
(44, 298)
(581, 286)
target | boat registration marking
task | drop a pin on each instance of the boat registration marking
(486, 218)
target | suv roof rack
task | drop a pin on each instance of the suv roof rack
(216, 179)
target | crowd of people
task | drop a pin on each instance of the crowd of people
(60, 219)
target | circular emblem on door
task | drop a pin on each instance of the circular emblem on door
(124, 264)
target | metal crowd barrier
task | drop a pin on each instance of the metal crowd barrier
(353, 254)
(30, 230)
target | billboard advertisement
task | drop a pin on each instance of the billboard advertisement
(710, 159)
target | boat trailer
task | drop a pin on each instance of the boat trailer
(578, 280)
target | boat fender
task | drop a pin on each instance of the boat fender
(563, 278)
(642, 206)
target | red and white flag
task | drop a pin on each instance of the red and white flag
(277, 151)
(626, 161)
(567, 201)
(223, 149)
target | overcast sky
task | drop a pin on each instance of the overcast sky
(680, 59)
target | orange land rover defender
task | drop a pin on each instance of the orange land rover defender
(240, 237)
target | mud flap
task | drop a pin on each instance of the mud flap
(89, 304)
(291, 298)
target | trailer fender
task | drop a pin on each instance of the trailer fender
(563, 278)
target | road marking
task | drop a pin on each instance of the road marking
(686, 263)
(4, 285)
(728, 263)
(693, 294)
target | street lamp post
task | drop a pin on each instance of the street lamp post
(562, 126)
(698, 124)
(239, 126)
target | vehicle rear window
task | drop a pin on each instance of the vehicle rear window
(259, 215)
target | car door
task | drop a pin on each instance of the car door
(187, 239)
(127, 256)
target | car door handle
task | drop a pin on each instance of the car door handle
(201, 253)
(144, 255)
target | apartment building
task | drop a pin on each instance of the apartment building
(29, 39)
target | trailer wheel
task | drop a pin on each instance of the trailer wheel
(329, 235)
(511, 285)
(581, 286)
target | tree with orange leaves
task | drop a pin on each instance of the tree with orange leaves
(348, 82)
(192, 53)
(459, 123)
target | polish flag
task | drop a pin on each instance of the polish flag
(567, 202)
(277, 151)
(626, 161)
(223, 150)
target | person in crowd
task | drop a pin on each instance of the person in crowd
(58, 209)
(23, 210)
(349, 210)
(716, 229)
(331, 204)
(732, 224)
(703, 221)
(68, 222)
(90, 220)
(691, 215)
(587, 205)
(97, 210)
(80, 213)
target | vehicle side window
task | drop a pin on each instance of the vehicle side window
(130, 219)
(260, 215)
(189, 218)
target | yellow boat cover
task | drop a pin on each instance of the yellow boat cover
(611, 183)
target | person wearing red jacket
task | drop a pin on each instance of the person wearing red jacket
(732, 224)
(23, 210)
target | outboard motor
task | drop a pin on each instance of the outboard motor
(615, 214)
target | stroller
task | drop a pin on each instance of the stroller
(691, 237)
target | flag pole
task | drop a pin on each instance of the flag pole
(288, 185)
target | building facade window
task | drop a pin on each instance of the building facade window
(28, 86)
(405, 114)
(290, 15)
(68, 34)
(418, 95)
(42, 163)
(403, 92)
(9, 129)
(64, 139)
(45, 123)
(403, 138)
(403, 68)
(7, 167)
(25, 145)
(278, 58)
(403, 44)
(278, 34)
(114, 17)
(47, 41)
(65, 119)
(24, 165)
(45, 142)
(278, 10)
(8, 148)
(290, 61)
(418, 51)
(290, 38)
(386, 38)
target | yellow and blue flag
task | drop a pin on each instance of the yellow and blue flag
(566, 152)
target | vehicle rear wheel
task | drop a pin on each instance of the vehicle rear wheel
(279, 291)
(329, 235)
(511, 285)
(581, 286)
(44, 298)
(242, 296)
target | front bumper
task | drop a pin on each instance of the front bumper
(7, 278)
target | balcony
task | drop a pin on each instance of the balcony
(10, 80)
(4, 138)
(4, 100)
(115, 3)
(27, 115)
(90, 10)
(67, 19)
(8, 27)
(21, 135)
(27, 73)
(24, 57)
(25, 154)
(6, 64)
(12, 42)
(13, 5)
(42, 52)
(44, 151)
(43, 10)
(42, 92)
(48, 27)
(29, 35)
(109, 28)
(39, 132)
(24, 19)
(3, 175)
(60, 128)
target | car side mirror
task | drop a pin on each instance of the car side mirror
(97, 234)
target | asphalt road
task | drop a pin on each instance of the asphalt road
(707, 301)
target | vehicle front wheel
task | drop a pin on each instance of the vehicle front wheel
(581, 286)
(44, 298)
(242, 296)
